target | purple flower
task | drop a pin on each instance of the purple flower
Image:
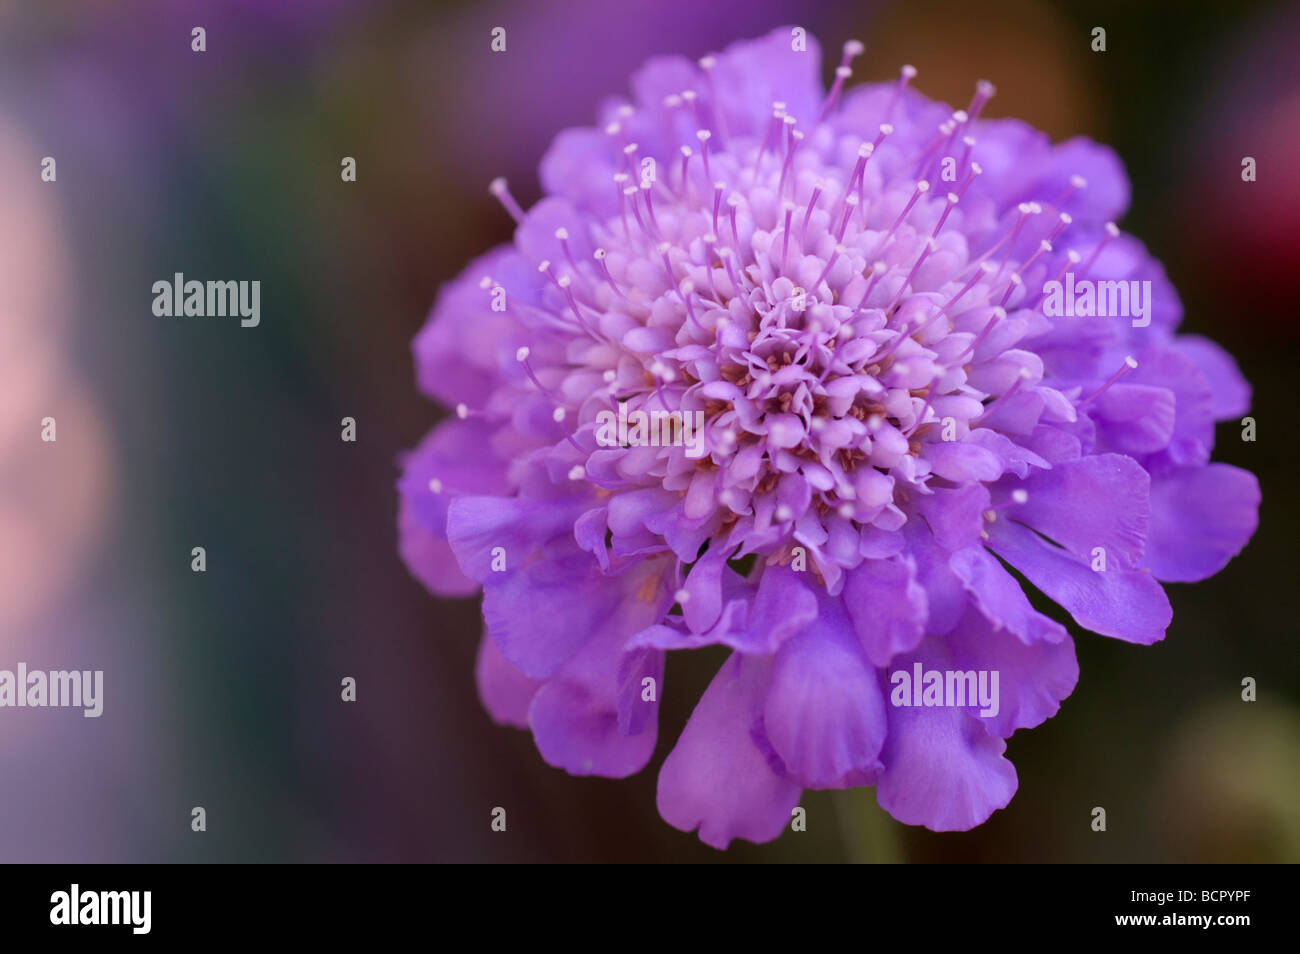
(850, 293)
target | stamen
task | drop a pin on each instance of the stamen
(563, 235)
(1014, 282)
(969, 143)
(545, 268)
(1021, 378)
(1063, 221)
(919, 420)
(877, 270)
(707, 63)
(930, 246)
(830, 263)
(735, 282)
(921, 189)
(499, 189)
(632, 192)
(984, 91)
(885, 130)
(1129, 364)
(1044, 246)
(600, 256)
(521, 356)
(778, 113)
(905, 75)
(842, 72)
(1026, 210)
(703, 136)
(983, 270)
(1112, 231)
(958, 122)
(1072, 258)
(975, 170)
(684, 291)
(932, 150)
(812, 204)
(558, 417)
(668, 269)
(691, 100)
(619, 179)
(564, 284)
(1076, 183)
(710, 253)
(864, 153)
(850, 203)
(785, 238)
(645, 194)
(998, 315)
(953, 199)
(795, 137)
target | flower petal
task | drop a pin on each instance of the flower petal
(544, 612)
(825, 715)
(449, 460)
(719, 777)
(506, 692)
(575, 715)
(888, 607)
(1098, 501)
(1127, 604)
(1000, 598)
(1201, 517)
(1033, 677)
(942, 769)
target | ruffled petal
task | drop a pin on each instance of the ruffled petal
(506, 692)
(956, 517)
(1231, 391)
(544, 612)
(460, 351)
(753, 74)
(888, 607)
(1000, 598)
(1127, 604)
(1099, 501)
(719, 777)
(1201, 517)
(493, 536)
(575, 714)
(942, 769)
(450, 460)
(825, 715)
(1033, 677)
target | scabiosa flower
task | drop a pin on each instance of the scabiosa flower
(848, 289)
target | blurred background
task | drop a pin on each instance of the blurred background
(222, 689)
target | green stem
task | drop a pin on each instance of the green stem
(870, 835)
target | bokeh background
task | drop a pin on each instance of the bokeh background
(222, 688)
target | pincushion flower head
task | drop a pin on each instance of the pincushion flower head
(787, 371)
